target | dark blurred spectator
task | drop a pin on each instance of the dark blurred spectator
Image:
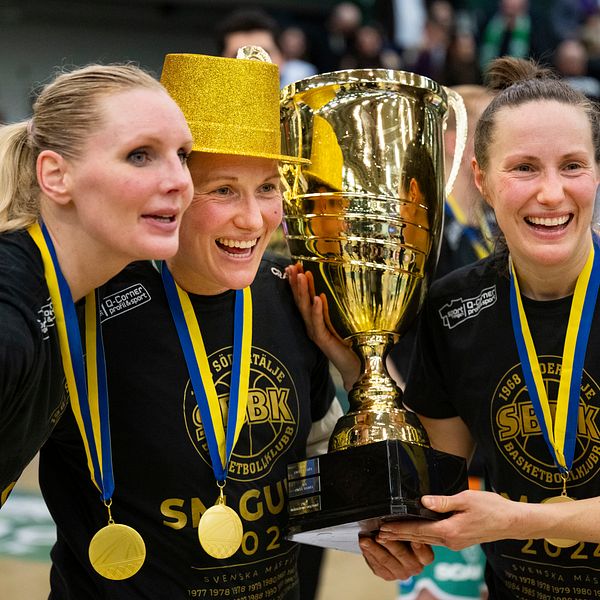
(249, 27)
(590, 36)
(430, 59)
(293, 44)
(462, 61)
(514, 30)
(566, 18)
(404, 21)
(442, 12)
(571, 62)
(370, 51)
(342, 25)
(254, 27)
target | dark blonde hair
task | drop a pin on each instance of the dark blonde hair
(517, 81)
(65, 113)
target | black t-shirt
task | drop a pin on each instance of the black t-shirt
(32, 385)
(163, 475)
(467, 364)
(456, 250)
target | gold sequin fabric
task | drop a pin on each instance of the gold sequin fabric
(231, 105)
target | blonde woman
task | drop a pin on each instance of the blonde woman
(95, 179)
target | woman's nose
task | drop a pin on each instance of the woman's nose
(250, 215)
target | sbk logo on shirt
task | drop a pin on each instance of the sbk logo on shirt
(459, 310)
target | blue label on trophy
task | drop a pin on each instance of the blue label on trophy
(304, 468)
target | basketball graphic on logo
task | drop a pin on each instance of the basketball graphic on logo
(271, 422)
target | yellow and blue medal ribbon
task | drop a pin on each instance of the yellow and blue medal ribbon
(220, 445)
(474, 235)
(560, 436)
(89, 396)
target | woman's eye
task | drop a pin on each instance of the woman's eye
(267, 188)
(222, 191)
(573, 166)
(183, 156)
(524, 168)
(138, 157)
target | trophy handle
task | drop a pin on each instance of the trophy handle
(457, 104)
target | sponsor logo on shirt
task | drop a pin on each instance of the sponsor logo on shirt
(123, 301)
(46, 318)
(459, 310)
(278, 273)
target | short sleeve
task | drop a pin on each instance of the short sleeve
(426, 390)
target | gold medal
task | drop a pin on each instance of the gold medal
(220, 530)
(117, 551)
(560, 542)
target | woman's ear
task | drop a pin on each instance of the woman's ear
(52, 176)
(479, 178)
(414, 191)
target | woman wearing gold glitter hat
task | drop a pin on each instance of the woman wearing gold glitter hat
(214, 385)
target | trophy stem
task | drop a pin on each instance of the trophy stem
(376, 412)
(374, 390)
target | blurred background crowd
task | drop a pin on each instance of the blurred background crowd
(450, 41)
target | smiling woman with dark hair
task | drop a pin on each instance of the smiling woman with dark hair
(507, 357)
(514, 371)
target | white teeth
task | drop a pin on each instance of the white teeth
(549, 221)
(237, 243)
(162, 218)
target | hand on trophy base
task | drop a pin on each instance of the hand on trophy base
(331, 505)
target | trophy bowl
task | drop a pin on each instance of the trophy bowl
(363, 214)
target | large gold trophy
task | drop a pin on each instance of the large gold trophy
(363, 214)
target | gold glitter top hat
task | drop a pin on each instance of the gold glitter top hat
(231, 104)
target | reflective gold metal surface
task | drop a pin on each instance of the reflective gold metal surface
(220, 531)
(365, 218)
(117, 551)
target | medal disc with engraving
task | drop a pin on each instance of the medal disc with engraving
(220, 531)
(117, 551)
(560, 542)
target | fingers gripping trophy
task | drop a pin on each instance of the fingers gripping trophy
(363, 215)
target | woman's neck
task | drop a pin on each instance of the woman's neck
(538, 287)
(548, 282)
(191, 280)
(84, 264)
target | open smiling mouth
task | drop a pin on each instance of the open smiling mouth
(237, 247)
(549, 223)
(161, 218)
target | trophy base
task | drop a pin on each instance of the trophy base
(337, 497)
